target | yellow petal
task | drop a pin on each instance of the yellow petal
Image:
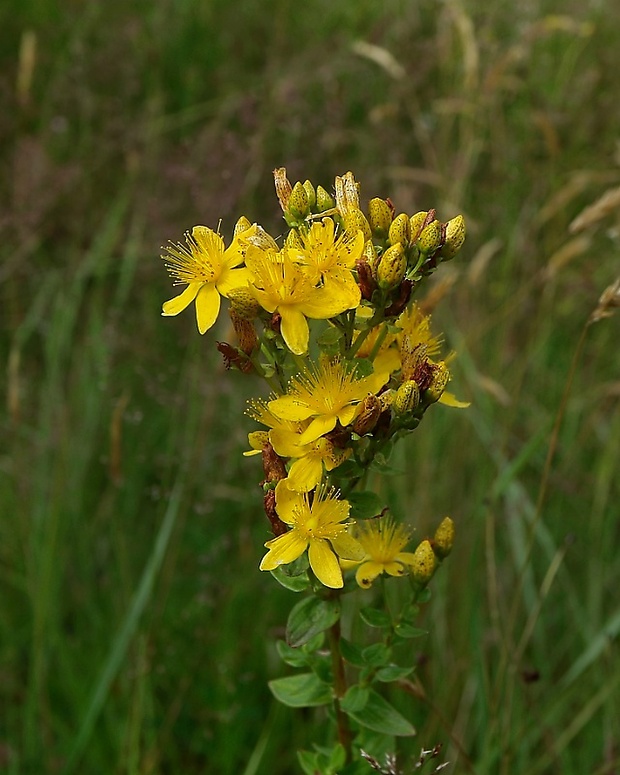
(394, 568)
(305, 474)
(283, 549)
(294, 328)
(347, 547)
(286, 443)
(180, 302)
(290, 408)
(449, 399)
(324, 564)
(207, 306)
(367, 573)
(317, 428)
(231, 279)
(288, 503)
(347, 415)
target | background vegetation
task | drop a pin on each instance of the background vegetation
(136, 634)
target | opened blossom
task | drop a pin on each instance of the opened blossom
(281, 285)
(209, 270)
(328, 393)
(383, 541)
(318, 526)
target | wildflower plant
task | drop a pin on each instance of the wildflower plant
(327, 317)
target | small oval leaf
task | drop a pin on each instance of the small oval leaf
(301, 691)
(382, 717)
(309, 617)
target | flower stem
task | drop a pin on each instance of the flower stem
(345, 736)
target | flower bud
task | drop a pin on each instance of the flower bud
(310, 193)
(347, 194)
(455, 237)
(400, 231)
(293, 240)
(283, 187)
(368, 416)
(416, 224)
(407, 398)
(441, 375)
(243, 303)
(246, 333)
(423, 563)
(365, 280)
(355, 220)
(386, 399)
(242, 225)
(430, 238)
(392, 267)
(324, 201)
(298, 202)
(379, 217)
(443, 538)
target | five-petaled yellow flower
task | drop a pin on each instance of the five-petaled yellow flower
(281, 285)
(318, 526)
(209, 269)
(329, 393)
(383, 541)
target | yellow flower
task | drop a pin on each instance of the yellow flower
(209, 271)
(283, 286)
(383, 541)
(330, 260)
(318, 526)
(329, 393)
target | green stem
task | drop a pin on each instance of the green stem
(345, 736)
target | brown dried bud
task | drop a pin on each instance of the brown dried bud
(439, 381)
(234, 357)
(246, 333)
(413, 358)
(365, 280)
(368, 416)
(283, 187)
(273, 464)
(278, 527)
(401, 301)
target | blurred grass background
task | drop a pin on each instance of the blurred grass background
(136, 634)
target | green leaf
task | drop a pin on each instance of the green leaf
(405, 630)
(351, 653)
(365, 504)
(322, 667)
(309, 617)
(308, 762)
(292, 657)
(377, 655)
(338, 757)
(314, 644)
(330, 337)
(424, 595)
(296, 583)
(382, 717)
(355, 699)
(392, 673)
(363, 367)
(301, 691)
(375, 617)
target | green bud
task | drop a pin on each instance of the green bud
(293, 240)
(416, 222)
(355, 221)
(392, 267)
(455, 237)
(324, 201)
(407, 398)
(430, 238)
(400, 230)
(444, 538)
(310, 193)
(298, 202)
(386, 399)
(424, 563)
(379, 217)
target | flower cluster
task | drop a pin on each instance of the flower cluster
(326, 317)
